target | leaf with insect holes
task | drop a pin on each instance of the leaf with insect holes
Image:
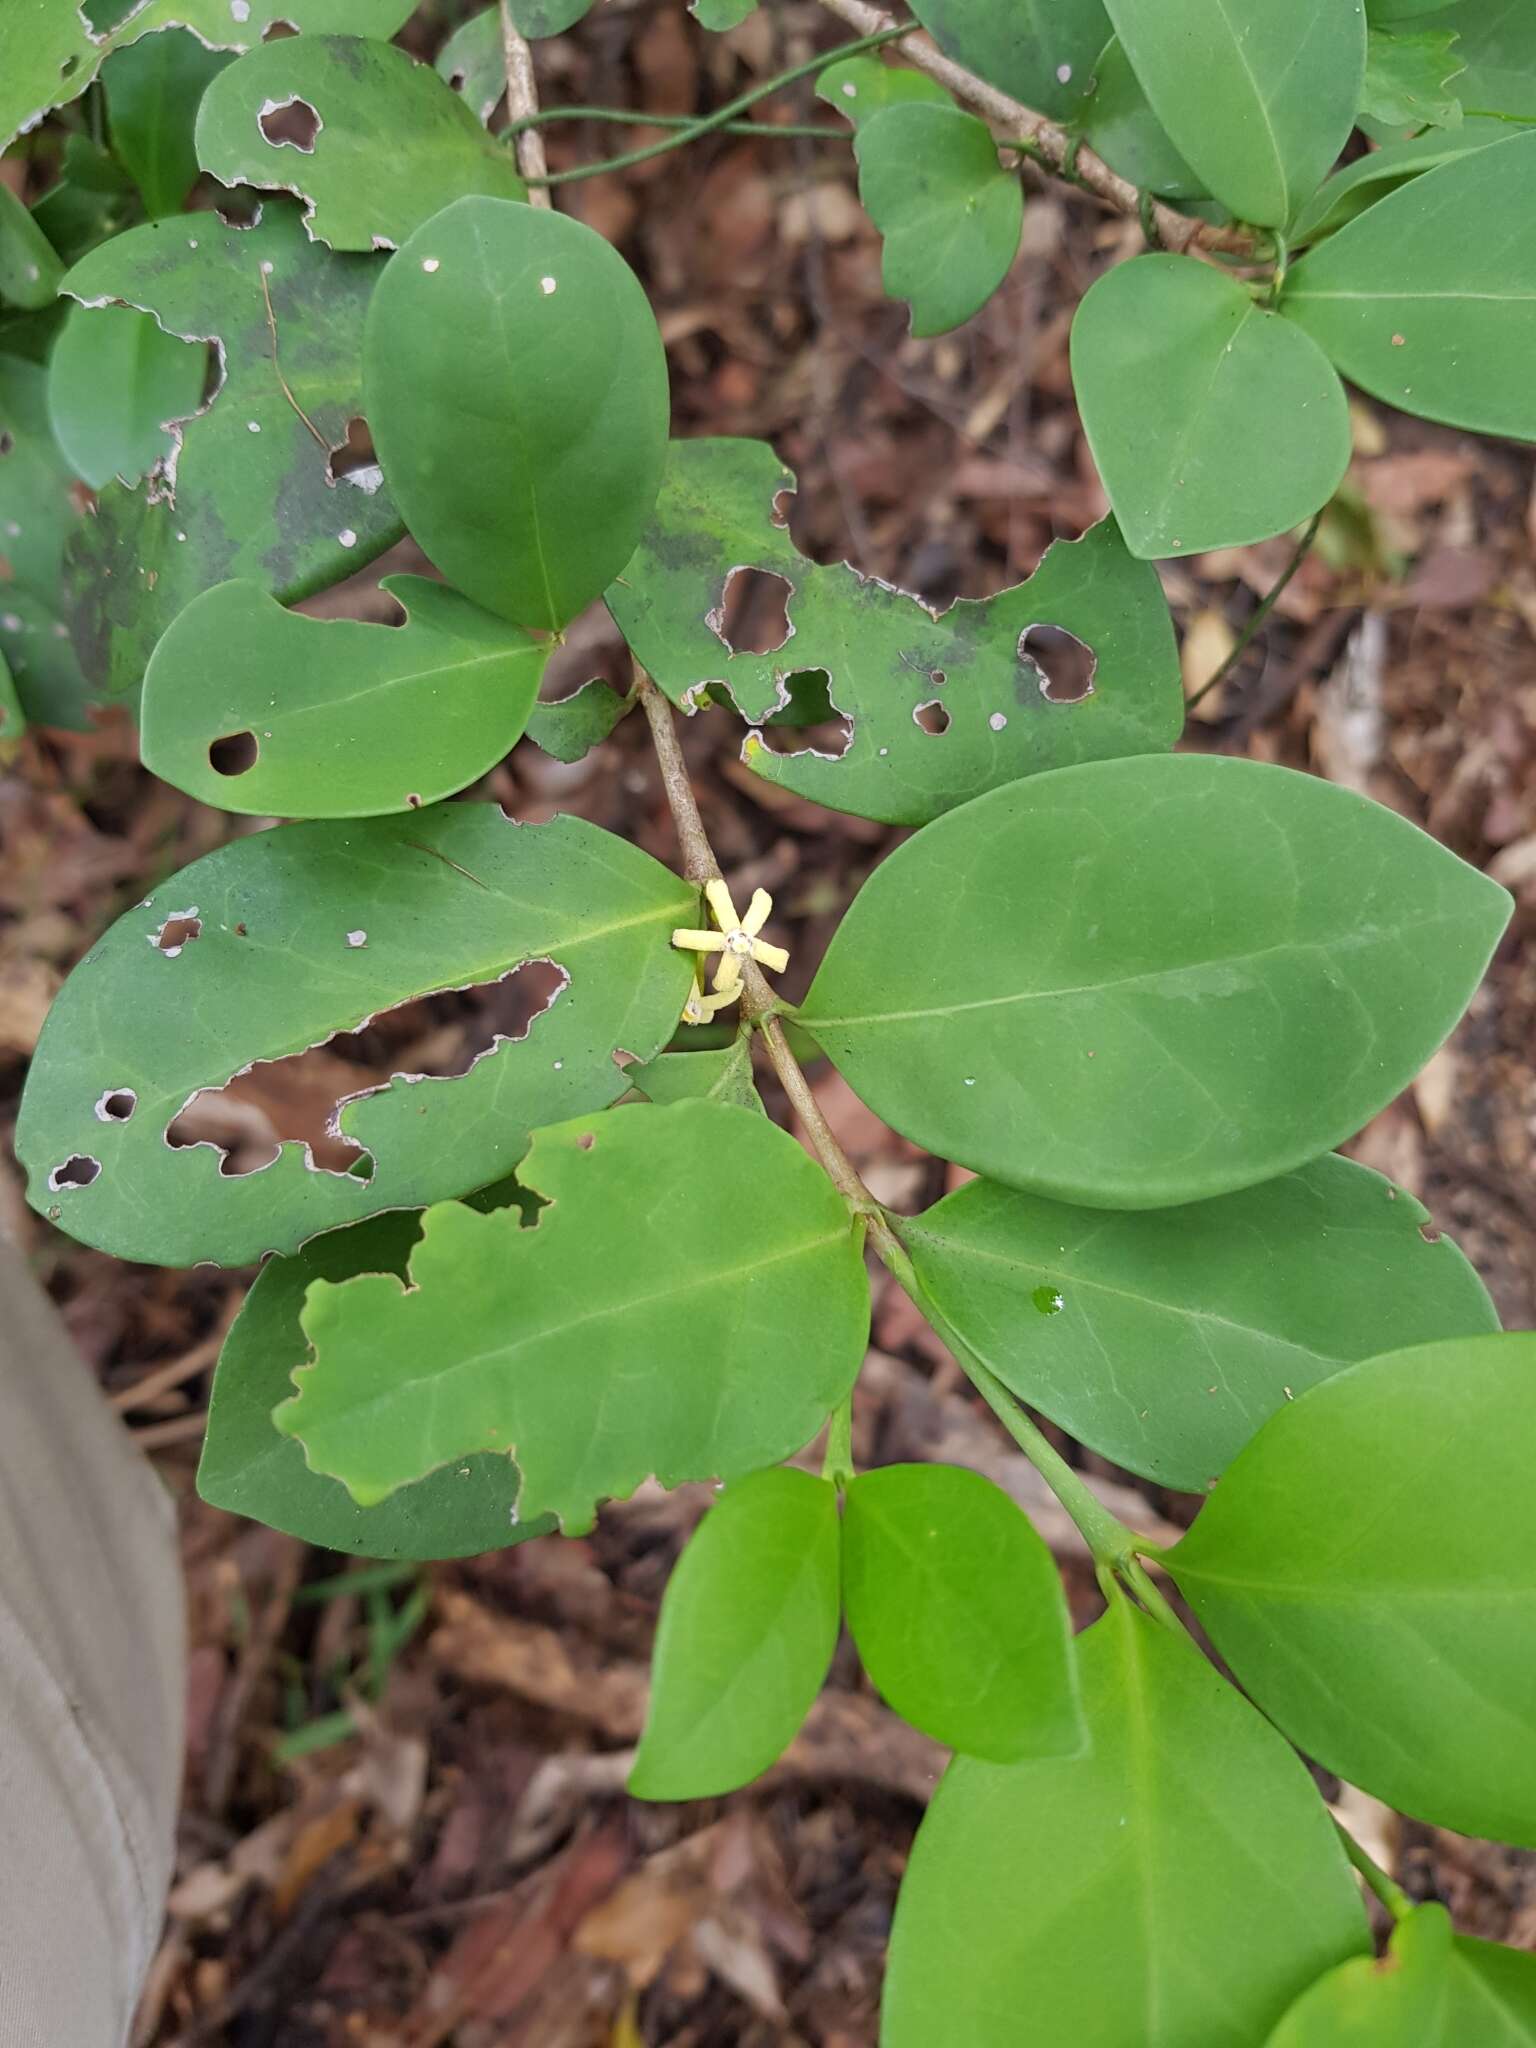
(517, 390)
(860, 86)
(1213, 422)
(438, 700)
(1428, 299)
(376, 143)
(723, 1073)
(1433, 1989)
(951, 215)
(116, 383)
(1163, 1338)
(249, 1468)
(1187, 1827)
(568, 728)
(748, 1626)
(958, 1612)
(29, 264)
(249, 492)
(1258, 96)
(723, 1247)
(1367, 1567)
(49, 52)
(473, 60)
(1144, 982)
(991, 675)
(281, 940)
(153, 89)
(1040, 51)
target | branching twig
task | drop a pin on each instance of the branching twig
(523, 100)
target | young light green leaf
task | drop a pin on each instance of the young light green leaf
(249, 490)
(748, 1626)
(1368, 1569)
(1188, 1828)
(860, 86)
(1213, 421)
(388, 145)
(1164, 1338)
(1122, 127)
(1369, 178)
(248, 1468)
(518, 395)
(722, 1246)
(1216, 972)
(1406, 80)
(1258, 96)
(570, 727)
(439, 699)
(1428, 299)
(958, 1612)
(30, 269)
(721, 14)
(1040, 51)
(278, 941)
(1434, 1989)
(995, 669)
(721, 1074)
(933, 184)
(154, 88)
(116, 384)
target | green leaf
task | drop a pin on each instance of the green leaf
(250, 487)
(35, 645)
(1040, 51)
(248, 1468)
(951, 215)
(391, 145)
(691, 1303)
(1122, 127)
(1188, 1835)
(747, 1631)
(1496, 40)
(1213, 421)
(721, 14)
(518, 394)
(721, 1074)
(958, 1613)
(472, 61)
(13, 719)
(93, 198)
(1432, 1990)
(29, 266)
(437, 701)
(1406, 78)
(1428, 300)
(860, 86)
(1144, 982)
(886, 655)
(1259, 96)
(36, 509)
(154, 88)
(537, 19)
(117, 384)
(309, 931)
(570, 727)
(1368, 1569)
(1163, 1339)
(1369, 178)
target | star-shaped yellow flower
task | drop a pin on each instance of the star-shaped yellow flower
(736, 941)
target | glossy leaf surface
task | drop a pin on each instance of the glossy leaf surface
(1213, 421)
(1040, 51)
(1145, 982)
(1368, 1569)
(748, 1626)
(1164, 1338)
(518, 395)
(1188, 1828)
(116, 382)
(307, 931)
(624, 1334)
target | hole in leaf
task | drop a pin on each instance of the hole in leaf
(78, 1171)
(752, 616)
(300, 1098)
(830, 736)
(178, 930)
(585, 1142)
(932, 717)
(234, 754)
(69, 67)
(7, 441)
(354, 460)
(1060, 666)
(591, 645)
(279, 31)
(116, 1106)
(290, 124)
(1429, 1233)
(238, 207)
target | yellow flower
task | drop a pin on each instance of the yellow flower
(737, 940)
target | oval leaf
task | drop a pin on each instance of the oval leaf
(518, 395)
(438, 699)
(279, 941)
(153, 89)
(599, 1370)
(1040, 51)
(379, 143)
(951, 215)
(860, 86)
(1258, 95)
(1124, 130)
(29, 265)
(1144, 982)
(1368, 1569)
(250, 1469)
(1189, 1829)
(747, 1631)
(1428, 299)
(1165, 1338)
(958, 1612)
(116, 383)
(1213, 421)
